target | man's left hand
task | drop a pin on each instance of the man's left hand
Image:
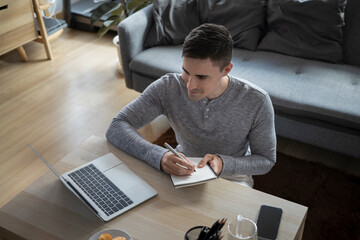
(214, 161)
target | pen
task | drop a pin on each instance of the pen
(174, 152)
(215, 230)
(204, 231)
(212, 230)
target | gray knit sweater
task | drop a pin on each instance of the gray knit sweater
(227, 126)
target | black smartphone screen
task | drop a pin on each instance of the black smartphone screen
(268, 222)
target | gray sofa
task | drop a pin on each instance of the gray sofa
(315, 101)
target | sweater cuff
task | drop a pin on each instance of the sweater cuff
(228, 166)
(155, 156)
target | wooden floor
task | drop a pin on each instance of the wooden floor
(56, 105)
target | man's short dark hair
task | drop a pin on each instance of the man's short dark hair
(209, 41)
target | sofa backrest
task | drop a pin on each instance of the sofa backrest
(351, 31)
(309, 29)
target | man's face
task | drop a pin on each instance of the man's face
(203, 79)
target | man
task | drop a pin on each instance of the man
(214, 116)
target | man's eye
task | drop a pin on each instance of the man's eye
(202, 77)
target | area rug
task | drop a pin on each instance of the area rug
(332, 196)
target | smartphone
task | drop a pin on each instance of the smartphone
(268, 222)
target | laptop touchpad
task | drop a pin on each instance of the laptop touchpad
(123, 177)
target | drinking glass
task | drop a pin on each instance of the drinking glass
(241, 228)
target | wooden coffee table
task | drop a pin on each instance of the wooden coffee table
(47, 210)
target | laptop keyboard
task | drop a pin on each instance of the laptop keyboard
(100, 189)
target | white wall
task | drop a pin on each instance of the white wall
(58, 5)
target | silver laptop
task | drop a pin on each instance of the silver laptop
(106, 185)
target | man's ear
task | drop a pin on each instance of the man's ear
(228, 68)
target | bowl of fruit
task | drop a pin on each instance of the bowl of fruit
(111, 234)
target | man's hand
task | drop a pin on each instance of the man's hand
(171, 164)
(214, 161)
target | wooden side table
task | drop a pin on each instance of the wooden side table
(17, 25)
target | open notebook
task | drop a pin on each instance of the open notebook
(202, 175)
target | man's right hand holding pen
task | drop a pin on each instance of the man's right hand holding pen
(176, 163)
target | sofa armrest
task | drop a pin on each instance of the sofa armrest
(132, 34)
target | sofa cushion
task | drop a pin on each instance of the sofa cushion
(305, 28)
(245, 19)
(306, 88)
(157, 61)
(173, 20)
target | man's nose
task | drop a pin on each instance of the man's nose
(191, 84)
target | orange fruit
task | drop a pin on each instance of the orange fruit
(105, 236)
